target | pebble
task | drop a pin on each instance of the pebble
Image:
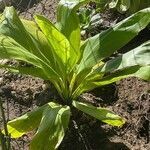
(3, 61)
(1, 80)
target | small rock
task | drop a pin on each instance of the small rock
(13, 92)
(3, 61)
(1, 80)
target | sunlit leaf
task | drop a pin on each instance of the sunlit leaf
(52, 128)
(99, 113)
(139, 56)
(10, 49)
(106, 43)
(65, 55)
(25, 123)
(66, 15)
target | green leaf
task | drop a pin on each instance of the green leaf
(99, 113)
(12, 26)
(134, 71)
(106, 43)
(141, 72)
(40, 40)
(10, 49)
(52, 120)
(65, 16)
(128, 64)
(21, 44)
(68, 21)
(25, 123)
(65, 55)
(52, 128)
(33, 71)
(139, 56)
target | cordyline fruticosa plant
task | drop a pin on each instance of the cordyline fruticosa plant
(56, 53)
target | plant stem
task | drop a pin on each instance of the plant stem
(5, 139)
(2, 141)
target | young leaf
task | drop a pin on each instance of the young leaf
(52, 128)
(40, 40)
(102, 114)
(68, 22)
(65, 55)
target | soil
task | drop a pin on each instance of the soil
(130, 98)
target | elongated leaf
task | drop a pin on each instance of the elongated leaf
(27, 34)
(33, 71)
(111, 40)
(40, 40)
(69, 22)
(141, 72)
(129, 64)
(139, 56)
(52, 128)
(10, 49)
(12, 26)
(25, 123)
(65, 55)
(136, 71)
(99, 113)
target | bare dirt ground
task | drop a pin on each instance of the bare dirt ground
(130, 98)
